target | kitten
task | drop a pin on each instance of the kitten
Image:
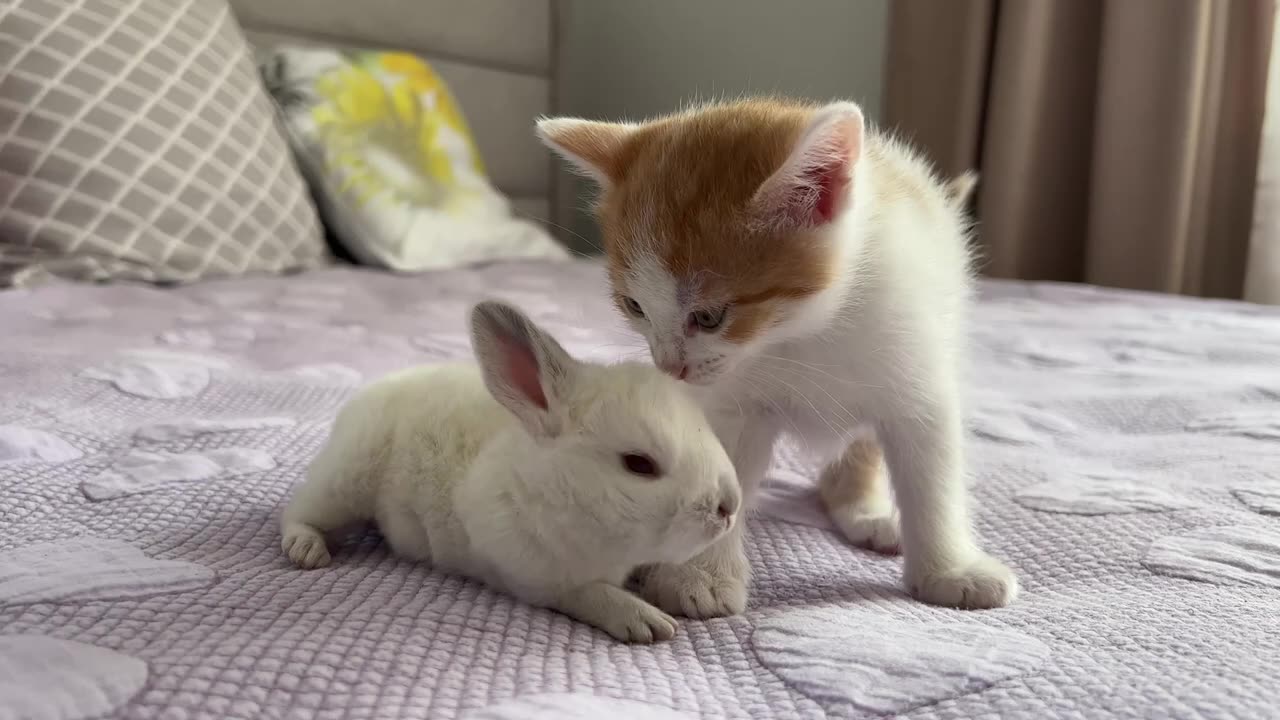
(808, 276)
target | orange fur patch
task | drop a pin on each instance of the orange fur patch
(683, 193)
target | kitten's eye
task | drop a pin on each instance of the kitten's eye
(640, 464)
(709, 319)
(633, 307)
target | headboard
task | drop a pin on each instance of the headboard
(498, 57)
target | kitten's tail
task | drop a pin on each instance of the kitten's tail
(960, 189)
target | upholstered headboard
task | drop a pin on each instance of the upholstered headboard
(498, 57)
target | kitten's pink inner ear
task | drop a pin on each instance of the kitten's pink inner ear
(832, 183)
(812, 186)
(521, 365)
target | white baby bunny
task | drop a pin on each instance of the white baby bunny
(548, 478)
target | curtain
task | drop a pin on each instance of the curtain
(1117, 141)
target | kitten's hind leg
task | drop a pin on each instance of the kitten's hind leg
(855, 491)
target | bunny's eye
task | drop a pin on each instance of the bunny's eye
(640, 464)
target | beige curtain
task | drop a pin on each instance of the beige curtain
(1117, 140)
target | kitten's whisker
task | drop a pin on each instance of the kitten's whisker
(796, 391)
(849, 417)
(558, 226)
(816, 368)
(845, 420)
(766, 396)
(799, 362)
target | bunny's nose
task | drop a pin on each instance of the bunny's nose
(728, 506)
(730, 497)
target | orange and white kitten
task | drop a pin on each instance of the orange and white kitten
(808, 276)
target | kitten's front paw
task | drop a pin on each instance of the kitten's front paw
(981, 583)
(693, 591)
(305, 546)
(641, 623)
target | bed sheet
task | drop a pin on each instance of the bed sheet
(1125, 459)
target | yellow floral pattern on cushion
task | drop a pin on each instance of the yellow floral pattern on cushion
(389, 125)
(392, 164)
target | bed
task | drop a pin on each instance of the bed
(1124, 450)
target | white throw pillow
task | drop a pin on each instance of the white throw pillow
(395, 171)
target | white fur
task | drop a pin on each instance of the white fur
(651, 280)
(880, 349)
(460, 466)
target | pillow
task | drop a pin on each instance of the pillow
(392, 163)
(137, 142)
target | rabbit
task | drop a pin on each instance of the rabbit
(545, 477)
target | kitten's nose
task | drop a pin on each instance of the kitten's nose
(675, 369)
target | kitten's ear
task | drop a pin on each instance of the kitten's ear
(594, 148)
(811, 188)
(524, 368)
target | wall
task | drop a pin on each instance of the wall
(1262, 280)
(637, 58)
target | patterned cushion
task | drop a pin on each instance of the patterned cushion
(398, 177)
(137, 142)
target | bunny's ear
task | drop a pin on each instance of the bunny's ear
(524, 368)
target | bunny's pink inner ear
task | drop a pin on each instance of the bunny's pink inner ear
(521, 366)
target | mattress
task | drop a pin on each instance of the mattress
(1125, 459)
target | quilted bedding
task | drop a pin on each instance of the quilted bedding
(1125, 459)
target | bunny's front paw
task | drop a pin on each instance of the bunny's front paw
(617, 612)
(640, 623)
(694, 591)
(305, 546)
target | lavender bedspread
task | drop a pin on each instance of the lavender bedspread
(1125, 460)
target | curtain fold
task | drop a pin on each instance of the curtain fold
(936, 76)
(1117, 140)
(1036, 159)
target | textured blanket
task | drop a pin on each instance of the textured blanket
(1125, 459)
